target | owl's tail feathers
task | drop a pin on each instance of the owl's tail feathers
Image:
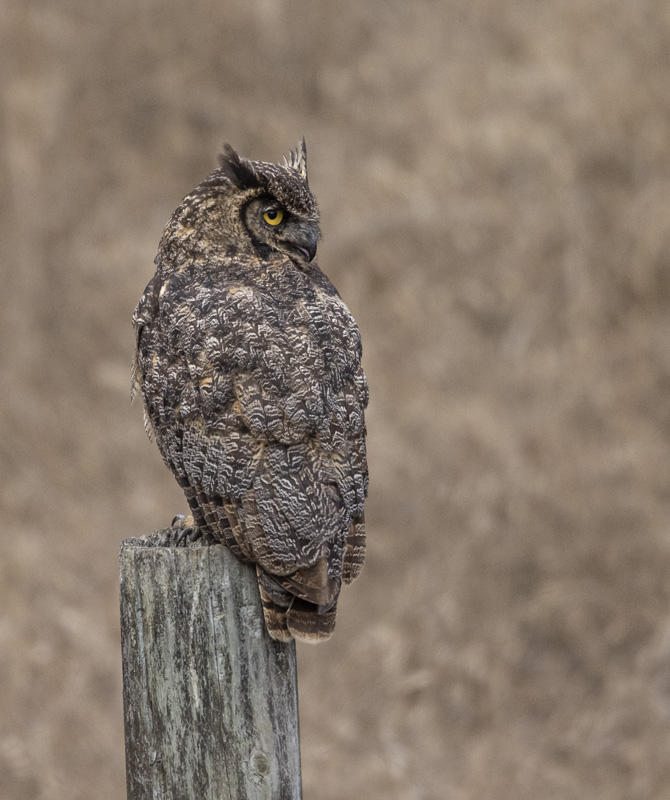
(288, 616)
(310, 623)
(275, 615)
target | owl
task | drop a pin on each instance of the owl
(249, 365)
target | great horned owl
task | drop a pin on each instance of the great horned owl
(250, 368)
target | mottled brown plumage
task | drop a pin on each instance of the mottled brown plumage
(250, 368)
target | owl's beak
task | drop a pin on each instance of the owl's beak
(306, 244)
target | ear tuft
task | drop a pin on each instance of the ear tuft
(238, 170)
(298, 159)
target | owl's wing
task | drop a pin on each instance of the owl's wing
(259, 413)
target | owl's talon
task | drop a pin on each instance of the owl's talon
(186, 531)
(187, 536)
(181, 521)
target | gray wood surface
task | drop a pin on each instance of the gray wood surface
(210, 700)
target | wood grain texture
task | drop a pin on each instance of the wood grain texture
(210, 700)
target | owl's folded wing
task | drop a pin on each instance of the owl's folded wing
(264, 429)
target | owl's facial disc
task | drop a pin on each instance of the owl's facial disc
(273, 226)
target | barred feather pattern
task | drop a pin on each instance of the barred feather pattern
(250, 369)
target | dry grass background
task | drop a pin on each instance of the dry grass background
(494, 181)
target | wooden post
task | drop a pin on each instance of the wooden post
(210, 700)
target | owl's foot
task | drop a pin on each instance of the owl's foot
(188, 533)
(180, 521)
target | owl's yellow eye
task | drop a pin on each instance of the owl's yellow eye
(273, 216)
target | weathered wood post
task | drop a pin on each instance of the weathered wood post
(210, 700)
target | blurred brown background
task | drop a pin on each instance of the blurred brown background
(494, 180)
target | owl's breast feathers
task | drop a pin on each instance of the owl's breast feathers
(253, 385)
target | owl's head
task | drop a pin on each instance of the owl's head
(277, 207)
